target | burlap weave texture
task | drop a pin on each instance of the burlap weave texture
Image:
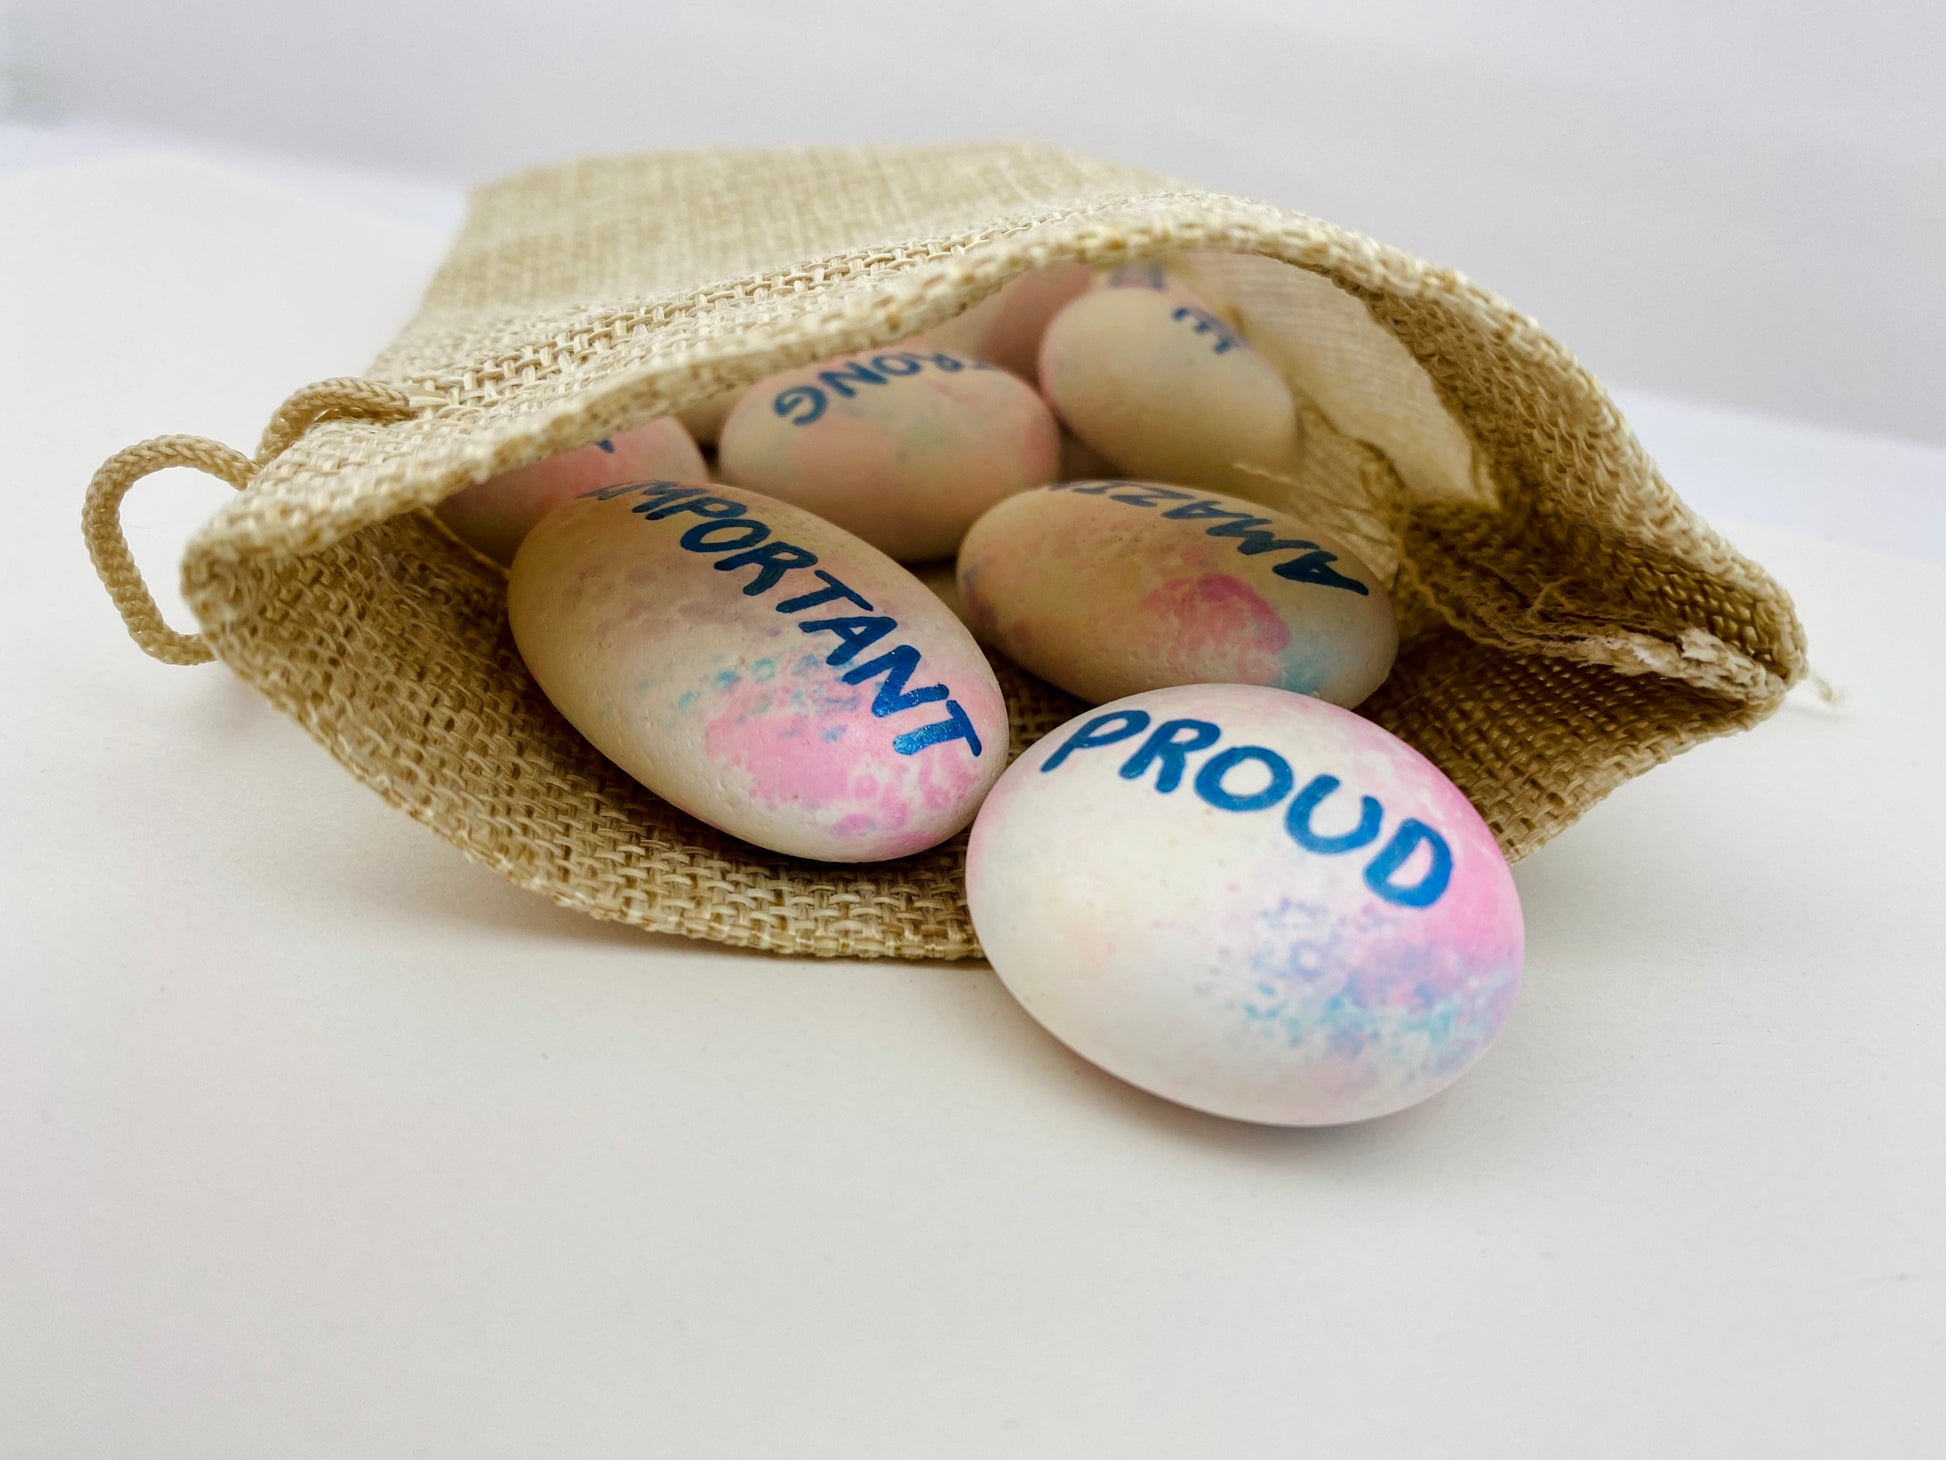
(1567, 622)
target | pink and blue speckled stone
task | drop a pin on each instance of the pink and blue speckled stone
(902, 447)
(1109, 588)
(760, 668)
(1250, 902)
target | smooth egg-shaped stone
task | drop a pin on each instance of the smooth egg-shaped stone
(1250, 902)
(1006, 326)
(494, 515)
(904, 447)
(759, 668)
(1164, 388)
(1111, 588)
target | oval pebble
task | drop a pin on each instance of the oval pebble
(903, 447)
(1249, 902)
(1110, 588)
(494, 515)
(759, 668)
(1160, 385)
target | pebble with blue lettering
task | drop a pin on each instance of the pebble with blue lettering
(1250, 902)
(1113, 587)
(1158, 383)
(763, 670)
(903, 447)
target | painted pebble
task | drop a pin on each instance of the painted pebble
(494, 515)
(1164, 388)
(1249, 902)
(759, 668)
(1110, 588)
(904, 447)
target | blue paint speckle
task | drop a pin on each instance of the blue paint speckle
(1301, 673)
(1302, 992)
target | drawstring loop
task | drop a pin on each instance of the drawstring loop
(344, 398)
(101, 512)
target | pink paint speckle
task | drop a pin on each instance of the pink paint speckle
(1214, 618)
(775, 733)
(811, 744)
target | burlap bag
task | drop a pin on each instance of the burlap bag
(1566, 621)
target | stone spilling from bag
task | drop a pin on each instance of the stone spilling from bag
(760, 668)
(1219, 886)
(1110, 588)
(494, 515)
(903, 447)
(1250, 902)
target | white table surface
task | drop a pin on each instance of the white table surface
(317, 1140)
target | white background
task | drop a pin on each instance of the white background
(1739, 201)
(317, 1140)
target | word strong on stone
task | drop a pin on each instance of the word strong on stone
(903, 448)
(803, 404)
(743, 543)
